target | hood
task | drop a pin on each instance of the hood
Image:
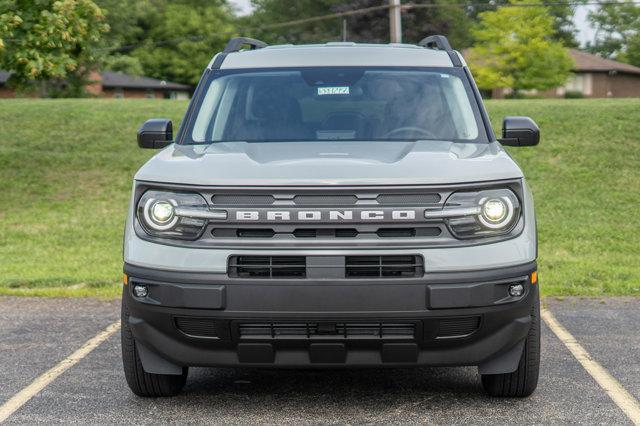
(322, 163)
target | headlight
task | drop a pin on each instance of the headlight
(159, 214)
(480, 213)
(496, 213)
(174, 214)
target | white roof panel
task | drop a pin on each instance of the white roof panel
(337, 54)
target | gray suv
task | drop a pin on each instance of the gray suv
(330, 206)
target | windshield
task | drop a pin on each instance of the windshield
(320, 104)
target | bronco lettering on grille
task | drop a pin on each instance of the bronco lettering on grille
(324, 215)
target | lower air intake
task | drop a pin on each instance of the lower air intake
(457, 327)
(268, 267)
(197, 327)
(314, 330)
(384, 266)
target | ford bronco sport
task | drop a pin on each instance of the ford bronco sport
(336, 205)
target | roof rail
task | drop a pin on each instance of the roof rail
(235, 44)
(440, 42)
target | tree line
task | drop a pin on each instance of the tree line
(53, 45)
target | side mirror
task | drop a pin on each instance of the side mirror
(519, 131)
(155, 133)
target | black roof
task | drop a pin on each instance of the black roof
(113, 80)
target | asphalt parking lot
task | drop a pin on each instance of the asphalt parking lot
(36, 334)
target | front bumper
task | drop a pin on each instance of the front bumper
(440, 319)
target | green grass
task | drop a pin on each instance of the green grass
(66, 168)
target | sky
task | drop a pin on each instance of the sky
(585, 32)
(242, 6)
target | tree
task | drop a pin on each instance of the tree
(437, 17)
(269, 12)
(426, 17)
(130, 25)
(129, 21)
(562, 12)
(372, 26)
(617, 31)
(122, 63)
(169, 40)
(563, 24)
(43, 40)
(514, 48)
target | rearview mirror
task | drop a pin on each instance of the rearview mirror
(155, 133)
(519, 131)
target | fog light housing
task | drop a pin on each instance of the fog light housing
(516, 290)
(140, 290)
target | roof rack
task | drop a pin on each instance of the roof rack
(235, 44)
(440, 42)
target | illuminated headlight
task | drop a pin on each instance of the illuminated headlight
(172, 214)
(162, 211)
(160, 214)
(496, 213)
(480, 213)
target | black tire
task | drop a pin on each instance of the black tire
(523, 381)
(143, 383)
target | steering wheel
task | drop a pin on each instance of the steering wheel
(425, 132)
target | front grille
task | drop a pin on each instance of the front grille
(323, 330)
(268, 266)
(197, 327)
(423, 231)
(384, 266)
(327, 217)
(333, 217)
(458, 327)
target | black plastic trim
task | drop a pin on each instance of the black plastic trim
(236, 43)
(217, 62)
(502, 327)
(441, 42)
(471, 276)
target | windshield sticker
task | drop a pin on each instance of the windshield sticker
(341, 90)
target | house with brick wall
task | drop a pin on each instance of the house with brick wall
(592, 77)
(110, 84)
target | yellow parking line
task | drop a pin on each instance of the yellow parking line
(607, 382)
(21, 398)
